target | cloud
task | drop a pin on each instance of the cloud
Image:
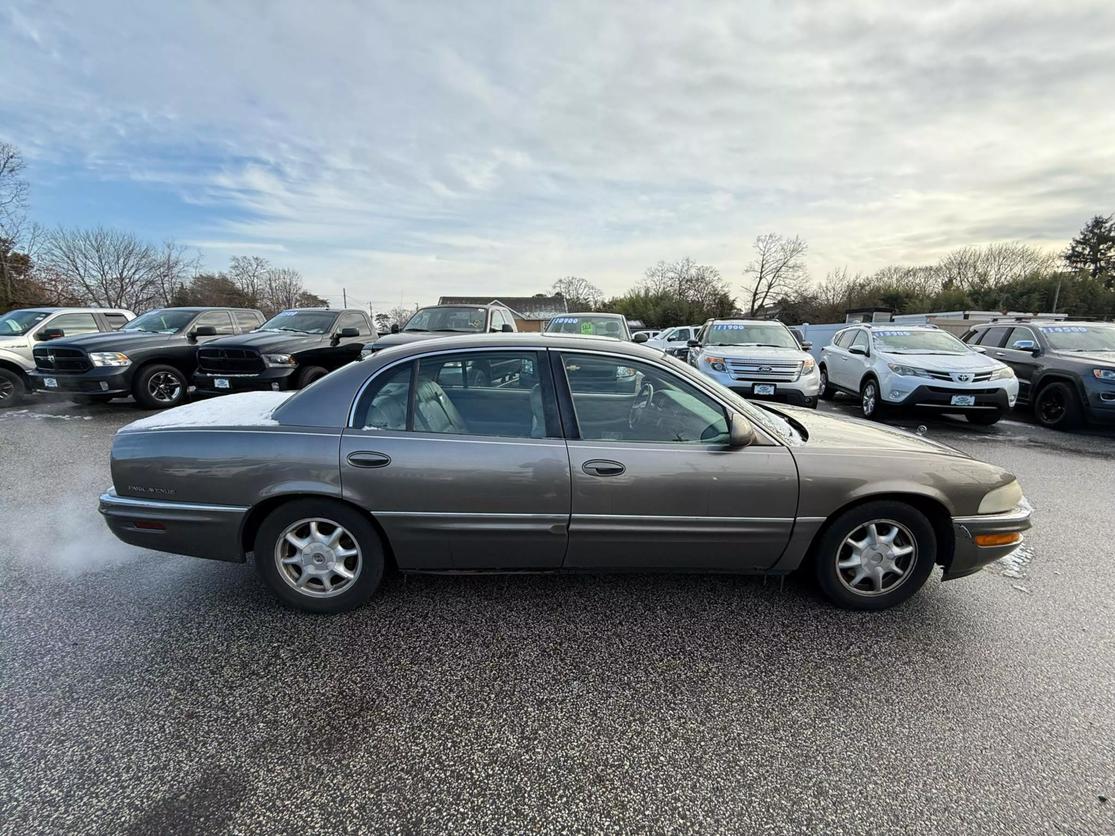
(439, 147)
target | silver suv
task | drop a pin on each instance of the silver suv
(757, 359)
(21, 330)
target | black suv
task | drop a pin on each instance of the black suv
(291, 350)
(1066, 370)
(150, 358)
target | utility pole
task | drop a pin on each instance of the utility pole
(344, 298)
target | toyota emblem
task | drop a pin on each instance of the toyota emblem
(964, 378)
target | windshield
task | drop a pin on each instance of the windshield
(772, 334)
(918, 342)
(1080, 337)
(303, 322)
(449, 319)
(161, 322)
(20, 322)
(588, 325)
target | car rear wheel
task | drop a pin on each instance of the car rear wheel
(159, 387)
(984, 419)
(827, 392)
(1058, 407)
(12, 390)
(319, 555)
(875, 556)
(309, 374)
(871, 400)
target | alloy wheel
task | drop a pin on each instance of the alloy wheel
(876, 557)
(318, 557)
(870, 399)
(164, 387)
(7, 389)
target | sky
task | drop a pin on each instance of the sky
(407, 150)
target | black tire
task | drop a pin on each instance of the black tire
(1057, 407)
(984, 419)
(871, 406)
(827, 392)
(367, 565)
(810, 403)
(85, 400)
(833, 547)
(159, 386)
(13, 391)
(309, 374)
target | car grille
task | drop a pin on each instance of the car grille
(758, 370)
(62, 360)
(955, 377)
(229, 361)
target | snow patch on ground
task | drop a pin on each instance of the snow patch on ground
(246, 409)
(1016, 564)
(38, 416)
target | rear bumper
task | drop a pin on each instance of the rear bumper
(969, 556)
(105, 380)
(272, 379)
(196, 530)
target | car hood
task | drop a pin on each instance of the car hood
(271, 341)
(841, 433)
(971, 361)
(1099, 357)
(114, 340)
(755, 352)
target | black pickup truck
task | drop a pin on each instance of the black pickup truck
(150, 358)
(289, 351)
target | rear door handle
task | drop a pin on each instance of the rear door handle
(603, 467)
(368, 458)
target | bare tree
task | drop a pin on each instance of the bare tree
(777, 270)
(698, 284)
(282, 288)
(15, 259)
(580, 294)
(982, 268)
(104, 267)
(249, 273)
(174, 267)
(13, 188)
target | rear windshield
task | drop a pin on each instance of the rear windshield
(772, 334)
(302, 322)
(590, 326)
(20, 322)
(1080, 337)
(899, 341)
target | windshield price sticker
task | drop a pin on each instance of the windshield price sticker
(586, 327)
(571, 320)
(1064, 329)
(729, 327)
(894, 333)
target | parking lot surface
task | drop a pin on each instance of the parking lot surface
(148, 693)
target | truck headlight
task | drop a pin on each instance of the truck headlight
(907, 371)
(1001, 500)
(1104, 374)
(279, 360)
(109, 358)
(716, 363)
(1004, 373)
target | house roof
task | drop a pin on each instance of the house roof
(538, 306)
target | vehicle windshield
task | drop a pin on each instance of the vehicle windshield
(588, 325)
(302, 322)
(450, 320)
(772, 334)
(161, 322)
(20, 322)
(1080, 337)
(898, 341)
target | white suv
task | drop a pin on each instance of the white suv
(890, 366)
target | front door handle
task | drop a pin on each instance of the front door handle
(368, 458)
(603, 467)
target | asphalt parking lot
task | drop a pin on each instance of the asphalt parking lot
(148, 693)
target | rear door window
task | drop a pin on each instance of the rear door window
(993, 337)
(219, 320)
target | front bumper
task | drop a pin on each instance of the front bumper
(800, 392)
(99, 380)
(271, 379)
(1100, 398)
(969, 556)
(196, 530)
(939, 396)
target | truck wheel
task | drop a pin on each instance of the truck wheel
(159, 387)
(827, 392)
(12, 389)
(319, 555)
(875, 556)
(309, 374)
(1058, 407)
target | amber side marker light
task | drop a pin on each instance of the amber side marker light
(1008, 539)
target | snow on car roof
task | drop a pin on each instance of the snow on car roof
(246, 409)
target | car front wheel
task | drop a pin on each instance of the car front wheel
(319, 555)
(871, 400)
(1058, 407)
(875, 556)
(12, 390)
(827, 392)
(159, 387)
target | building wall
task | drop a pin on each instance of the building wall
(530, 325)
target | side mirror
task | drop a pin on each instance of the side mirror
(49, 334)
(394, 328)
(507, 329)
(740, 432)
(348, 333)
(858, 349)
(806, 345)
(978, 349)
(640, 338)
(1026, 345)
(693, 344)
(201, 331)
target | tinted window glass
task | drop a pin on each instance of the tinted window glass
(354, 321)
(483, 393)
(247, 320)
(619, 400)
(216, 319)
(859, 339)
(383, 406)
(115, 321)
(1021, 333)
(994, 336)
(449, 319)
(73, 324)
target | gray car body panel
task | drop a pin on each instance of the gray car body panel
(465, 503)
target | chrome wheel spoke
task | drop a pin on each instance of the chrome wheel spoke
(902, 551)
(344, 554)
(343, 571)
(298, 542)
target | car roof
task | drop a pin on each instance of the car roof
(747, 320)
(71, 309)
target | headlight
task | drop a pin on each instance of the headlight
(716, 363)
(1002, 499)
(907, 371)
(808, 365)
(1004, 373)
(279, 360)
(109, 358)
(1104, 374)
